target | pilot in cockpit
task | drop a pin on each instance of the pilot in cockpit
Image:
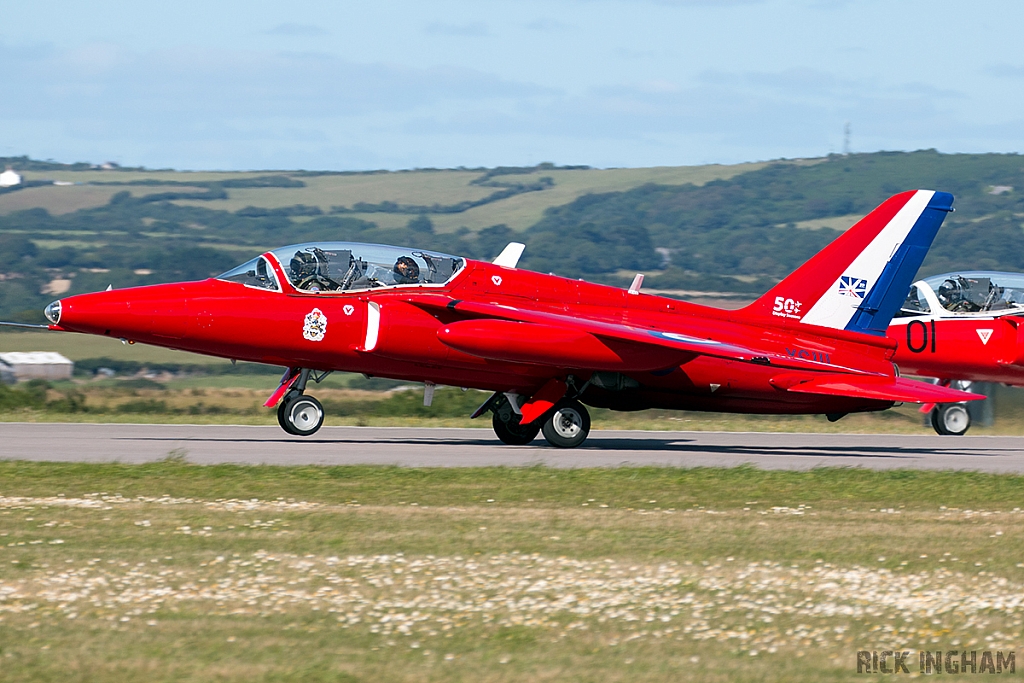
(406, 271)
(303, 266)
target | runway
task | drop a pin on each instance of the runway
(417, 447)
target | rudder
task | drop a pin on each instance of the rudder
(858, 281)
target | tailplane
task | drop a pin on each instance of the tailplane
(858, 282)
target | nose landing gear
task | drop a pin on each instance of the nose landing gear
(300, 415)
(297, 413)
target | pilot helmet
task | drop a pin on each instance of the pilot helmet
(303, 264)
(949, 293)
(406, 270)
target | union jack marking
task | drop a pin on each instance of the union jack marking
(852, 286)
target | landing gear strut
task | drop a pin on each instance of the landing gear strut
(297, 413)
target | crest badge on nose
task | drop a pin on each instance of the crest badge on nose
(496, 279)
(349, 309)
(315, 325)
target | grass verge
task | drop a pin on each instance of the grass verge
(170, 571)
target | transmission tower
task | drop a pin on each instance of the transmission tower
(846, 139)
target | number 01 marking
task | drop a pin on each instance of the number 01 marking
(924, 335)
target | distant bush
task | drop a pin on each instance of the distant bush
(90, 366)
(140, 383)
(32, 395)
(143, 406)
(29, 395)
(294, 210)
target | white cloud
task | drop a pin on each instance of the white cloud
(101, 82)
(257, 109)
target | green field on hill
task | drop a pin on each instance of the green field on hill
(426, 187)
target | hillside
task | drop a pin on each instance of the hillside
(705, 229)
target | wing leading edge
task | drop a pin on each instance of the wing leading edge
(558, 326)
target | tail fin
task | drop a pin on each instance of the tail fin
(858, 281)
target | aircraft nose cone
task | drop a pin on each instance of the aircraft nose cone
(52, 312)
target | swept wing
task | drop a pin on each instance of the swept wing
(517, 334)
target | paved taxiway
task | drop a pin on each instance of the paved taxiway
(414, 447)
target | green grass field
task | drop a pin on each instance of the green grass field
(407, 187)
(173, 572)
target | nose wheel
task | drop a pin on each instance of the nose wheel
(297, 413)
(300, 415)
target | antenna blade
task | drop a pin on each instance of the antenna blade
(638, 282)
(509, 256)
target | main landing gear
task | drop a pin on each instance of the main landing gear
(950, 419)
(565, 425)
(508, 430)
(297, 413)
(568, 426)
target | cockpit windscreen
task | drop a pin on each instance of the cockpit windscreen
(255, 273)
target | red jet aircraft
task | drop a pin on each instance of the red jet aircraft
(960, 328)
(547, 345)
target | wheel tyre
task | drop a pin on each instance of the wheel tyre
(568, 426)
(513, 434)
(951, 419)
(282, 410)
(304, 415)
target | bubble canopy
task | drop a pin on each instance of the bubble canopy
(348, 267)
(966, 292)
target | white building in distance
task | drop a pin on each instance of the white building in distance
(47, 365)
(9, 178)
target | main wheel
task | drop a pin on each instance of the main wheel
(513, 433)
(568, 426)
(301, 415)
(951, 419)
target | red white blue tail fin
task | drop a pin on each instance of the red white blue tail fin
(858, 281)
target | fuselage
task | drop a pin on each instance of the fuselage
(386, 331)
(963, 326)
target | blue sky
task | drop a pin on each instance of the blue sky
(402, 84)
